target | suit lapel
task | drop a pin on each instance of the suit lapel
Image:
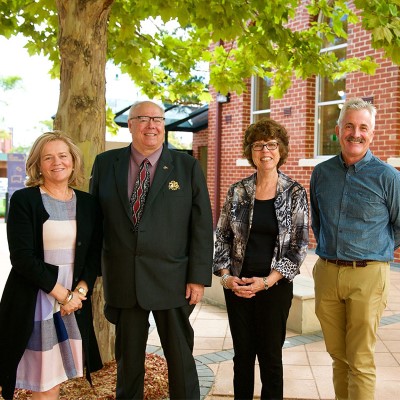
(121, 168)
(164, 169)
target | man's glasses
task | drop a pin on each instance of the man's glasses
(269, 146)
(144, 119)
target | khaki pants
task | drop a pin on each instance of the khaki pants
(349, 303)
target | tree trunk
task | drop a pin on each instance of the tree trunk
(82, 106)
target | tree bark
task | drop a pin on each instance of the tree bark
(81, 110)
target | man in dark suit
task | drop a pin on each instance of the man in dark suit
(160, 264)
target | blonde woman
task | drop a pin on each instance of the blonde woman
(54, 237)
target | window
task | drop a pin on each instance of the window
(260, 100)
(329, 99)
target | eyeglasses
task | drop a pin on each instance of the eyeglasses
(144, 119)
(269, 146)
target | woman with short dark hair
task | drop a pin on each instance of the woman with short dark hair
(261, 241)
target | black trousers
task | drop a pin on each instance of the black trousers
(258, 328)
(177, 339)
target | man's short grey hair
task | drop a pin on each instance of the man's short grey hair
(138, 103)
(357, 103)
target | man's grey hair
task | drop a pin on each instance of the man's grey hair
(357, 103)
(138, 103)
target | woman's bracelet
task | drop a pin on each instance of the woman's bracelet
(69, 297)
(224, 280)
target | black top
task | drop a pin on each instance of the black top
(262, 240)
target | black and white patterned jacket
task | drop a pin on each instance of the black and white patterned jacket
(234, 225)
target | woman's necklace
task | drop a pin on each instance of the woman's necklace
(63, 197)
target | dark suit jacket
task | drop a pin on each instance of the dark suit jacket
(174, 243)
(30, 273)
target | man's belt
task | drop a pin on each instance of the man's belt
(346, 263)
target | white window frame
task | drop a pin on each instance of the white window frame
(319, 104)
(254, 93)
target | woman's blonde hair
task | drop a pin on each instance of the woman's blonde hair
(34, 176)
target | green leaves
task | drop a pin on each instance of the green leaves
(112, 127)
(382, 19)
(167, 45)
(10, 82)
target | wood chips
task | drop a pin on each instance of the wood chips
(104, 381)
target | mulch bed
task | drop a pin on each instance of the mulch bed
(104, 381)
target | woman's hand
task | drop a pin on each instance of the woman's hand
(73, 305)
(249, 287)
(79, 294)
(239, 287)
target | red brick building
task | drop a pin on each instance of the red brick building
(309, 112)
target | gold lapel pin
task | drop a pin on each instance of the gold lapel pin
(173, 185)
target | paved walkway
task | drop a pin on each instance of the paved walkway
(307, 366)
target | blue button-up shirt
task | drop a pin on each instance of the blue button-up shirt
(355, 209)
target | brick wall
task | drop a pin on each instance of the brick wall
(234, 117)
(201, 139)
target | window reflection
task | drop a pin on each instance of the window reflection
(329, 98)
(331, 91)
(329, 142)
(257, 117)
(337, 40)
(261, 99)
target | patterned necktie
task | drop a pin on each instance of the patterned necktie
(140, 190)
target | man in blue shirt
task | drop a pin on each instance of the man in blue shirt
(355, 209)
